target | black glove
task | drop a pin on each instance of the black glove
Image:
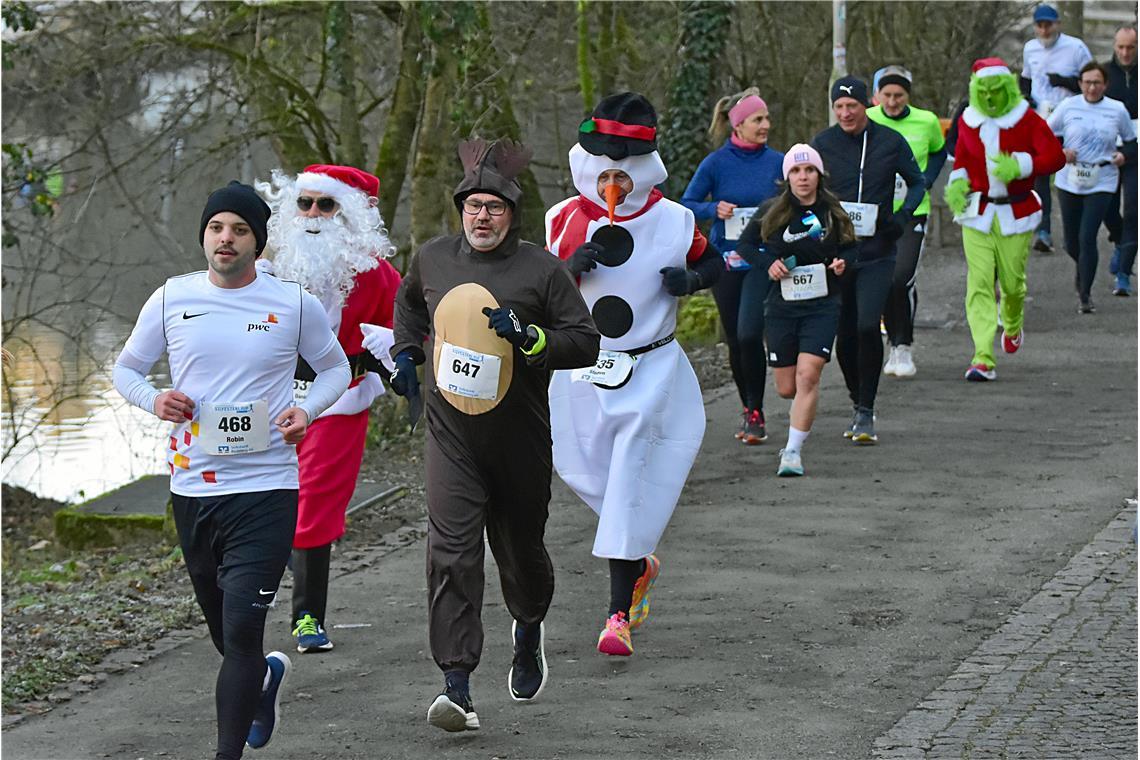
(680, 281)
(507, 326)
(584, 258)
(1056, 80)
(403, 380)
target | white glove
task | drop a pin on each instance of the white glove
(378, 341)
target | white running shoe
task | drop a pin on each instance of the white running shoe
(790, 464)
(904, 362)
(892, 365)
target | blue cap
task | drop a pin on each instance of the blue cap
(1046, 13)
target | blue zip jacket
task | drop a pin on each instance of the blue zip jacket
(743, 177)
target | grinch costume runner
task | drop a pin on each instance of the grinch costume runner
(1002, 147)
(627, 431)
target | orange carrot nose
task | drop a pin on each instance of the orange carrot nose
(612, 192)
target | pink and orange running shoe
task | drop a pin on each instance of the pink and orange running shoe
(639, 608)
(614, 638)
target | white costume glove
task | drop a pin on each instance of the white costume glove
(378, 342)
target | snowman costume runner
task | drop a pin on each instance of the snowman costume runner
(626, 431)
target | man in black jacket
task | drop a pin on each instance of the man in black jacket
(862, 159)
(1121, 223)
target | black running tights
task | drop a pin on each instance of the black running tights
(903, 300)
(858, 342)
(1081, 216)
(241, 675)
(623, 575)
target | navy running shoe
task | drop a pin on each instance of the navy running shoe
(267, 718)
(311, 635)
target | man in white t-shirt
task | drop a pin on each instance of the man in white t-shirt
(1049, 72)
(232, 338)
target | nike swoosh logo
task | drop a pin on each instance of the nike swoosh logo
(791, 237)
(187, 315)
(266, 593)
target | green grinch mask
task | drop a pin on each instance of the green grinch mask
(994, 95)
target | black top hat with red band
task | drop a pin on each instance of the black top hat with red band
(622, 125)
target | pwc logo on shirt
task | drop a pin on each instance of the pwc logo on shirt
(262, 326)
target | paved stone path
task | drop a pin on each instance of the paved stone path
(1057, 680)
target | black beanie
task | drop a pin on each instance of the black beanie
(849, 87)
(242, 200)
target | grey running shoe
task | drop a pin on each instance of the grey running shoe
(863, 431)
(754, 428)
(850, 429)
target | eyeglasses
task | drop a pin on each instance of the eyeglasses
(1092, 82)
(324, 205)
(494, 208)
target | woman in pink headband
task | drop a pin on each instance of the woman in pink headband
(728, 187)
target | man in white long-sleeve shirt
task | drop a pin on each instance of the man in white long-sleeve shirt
(233, 338)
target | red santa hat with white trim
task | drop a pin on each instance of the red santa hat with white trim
(990, 67)
(338, 181)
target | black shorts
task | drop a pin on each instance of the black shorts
(804, 331)
(241, 541)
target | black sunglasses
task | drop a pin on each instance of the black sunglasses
(324, 205)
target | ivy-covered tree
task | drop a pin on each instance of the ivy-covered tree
(683, 143)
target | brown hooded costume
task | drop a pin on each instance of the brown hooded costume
(488, 459)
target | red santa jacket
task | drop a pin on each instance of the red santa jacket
(1024, 135)
(371, 300)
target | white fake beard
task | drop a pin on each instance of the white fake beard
(320, 254)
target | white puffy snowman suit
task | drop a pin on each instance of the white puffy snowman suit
(627, 451)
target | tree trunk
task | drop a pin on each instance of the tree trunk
(585, 76)
(703, 27)
(607, 59)
(400, 128)
(488, 92)
(342, 60)
(435, 147)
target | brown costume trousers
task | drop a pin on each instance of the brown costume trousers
(489, 472)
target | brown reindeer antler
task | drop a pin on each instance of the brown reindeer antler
(510, 158)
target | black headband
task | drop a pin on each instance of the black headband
(898, 79)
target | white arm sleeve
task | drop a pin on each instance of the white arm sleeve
(320, 348)
(143, 348)
(133, 386)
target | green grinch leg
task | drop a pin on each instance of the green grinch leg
(1013, 254)
(1007, 254)
(981, 308)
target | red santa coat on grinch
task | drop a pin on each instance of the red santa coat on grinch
(627, 451)
(1024, 135)
(330, 454)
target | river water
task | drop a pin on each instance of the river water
(67, 434)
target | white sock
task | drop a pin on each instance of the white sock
(796, 438)
(268, 676)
